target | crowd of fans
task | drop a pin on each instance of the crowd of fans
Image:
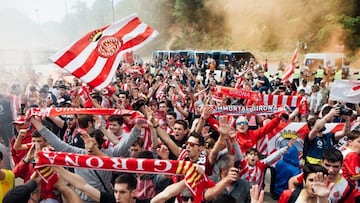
(174, 98)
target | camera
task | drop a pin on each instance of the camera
(138, 104)
(344, 111)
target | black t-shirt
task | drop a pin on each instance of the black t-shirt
(106, 197)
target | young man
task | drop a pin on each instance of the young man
(315, 188)
(332, 161)
(124, 187)
(253, 170)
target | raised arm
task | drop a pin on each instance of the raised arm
(320, 124)
(180, 109)
(205, 114)
(68, 194)
(345, 130)
(53, 140)
(113, 139)
(211, 193)
(277, 154)
(169, 192)
(58, 121)
(121, 149)
(79, 182)
(18, 142)
(164, 136)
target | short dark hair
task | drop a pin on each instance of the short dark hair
(311, 122)
(313, 168)
(139, 141)
(128, 179)
(84, 120)
(199, 137)
(36, 134)
(99, 137)
(1, 156)
(126, 93)
(171, 113)
(333, 155)
(353, 135)
(183, 123)
(248, 151)
(117, 118)
(145, 155)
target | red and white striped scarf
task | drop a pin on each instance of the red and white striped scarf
(194, 180)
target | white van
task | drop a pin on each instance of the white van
(333, 60)
(324, 59)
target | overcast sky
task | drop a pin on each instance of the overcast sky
(43, 10)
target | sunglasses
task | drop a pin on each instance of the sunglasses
(191, 144)
(70, 118)
(242, 123)
(185, 198)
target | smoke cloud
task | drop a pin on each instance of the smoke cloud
(281, 24)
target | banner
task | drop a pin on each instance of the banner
(246, 110)
(265, 99)
(237, 93)
(345, 91)
(130, 165)
(57, 111)
(95, 57)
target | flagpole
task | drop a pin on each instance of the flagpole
(113, 10)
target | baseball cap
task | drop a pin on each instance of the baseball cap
(20, 193)
(19, 120)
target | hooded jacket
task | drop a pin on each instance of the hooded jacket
(286, 168)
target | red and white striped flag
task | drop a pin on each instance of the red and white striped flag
(289, 71)
(95, 57)
(281, 100)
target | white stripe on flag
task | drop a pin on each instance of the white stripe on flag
(81, 58)
(112, 72)
(114, 28)
(131, 35)
(94, 72)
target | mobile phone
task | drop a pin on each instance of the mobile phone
(237, 164)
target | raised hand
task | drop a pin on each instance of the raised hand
(257, 195)
(141, 123)
(163, 152)
(320, 187)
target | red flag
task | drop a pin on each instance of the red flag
(95, 57)
(289, 71)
